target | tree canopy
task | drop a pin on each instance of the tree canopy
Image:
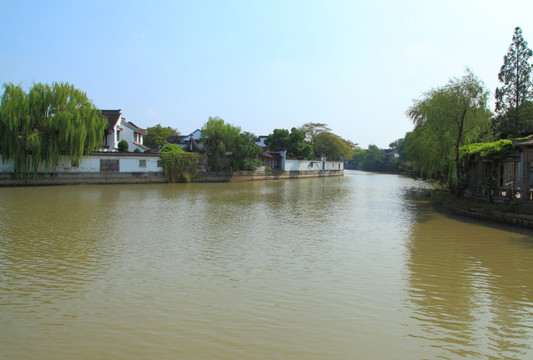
(445, 119)
(312, 129)
(49, 121)
(294, 143)
(371, 159)
(227, 148)
(516, 90)
(157, 135)
(245, 154)
(332, 146)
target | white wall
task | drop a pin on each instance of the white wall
(133, 164)
(307, 165)
(91, 164)
(128, 134)
(334, 165)
(302, 165)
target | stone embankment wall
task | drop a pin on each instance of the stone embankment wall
(490, 216)
(158, 177)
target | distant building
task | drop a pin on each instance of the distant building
(391, 154)
(187, 141)
(260, 141)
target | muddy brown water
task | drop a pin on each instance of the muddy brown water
(333, 268)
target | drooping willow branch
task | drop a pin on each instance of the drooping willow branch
(38, 127)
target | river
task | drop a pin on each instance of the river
(348, 267)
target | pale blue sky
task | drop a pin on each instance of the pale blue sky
(260, 65)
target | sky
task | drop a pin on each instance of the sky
(261, 65)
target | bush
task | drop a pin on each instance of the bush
(179, 166)
(123, 146)
(171, 148)
(137, 150)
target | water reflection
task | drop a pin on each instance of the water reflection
(470, 287)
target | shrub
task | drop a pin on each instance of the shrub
(137, 150)
(123, 146)
(171, 148)
(179, 166)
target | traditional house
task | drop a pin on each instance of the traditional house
(390, 155)
(186, 141)
(260, 141)
(133, 135)
(118, 129)
(505, 175)
(272, 160)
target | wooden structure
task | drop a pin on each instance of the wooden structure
(525, 176)
(498, 180)
(510, 178)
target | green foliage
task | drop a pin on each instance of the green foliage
(50, 121)
(488, 151)
(371, 159)
(445, 119)
(219, 139)
(137, 150)
(179, 166)
(157, 135)
(332, 146)
(504, 124)
(516, 91)
(245, 153)
(227, 148)
(171, 148)
(312, 129)
(374, 159)
(298, 147)
(279, 140)
(123, 146)
(294, 143)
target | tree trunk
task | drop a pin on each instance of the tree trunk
(458, 186)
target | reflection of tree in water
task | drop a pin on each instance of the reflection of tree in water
(471, 288)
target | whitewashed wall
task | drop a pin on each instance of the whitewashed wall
(133, 164)
(128, 134)
(308, 165)
(302, 165)
(334, 165)
(91, 164)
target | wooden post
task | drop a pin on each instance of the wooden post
(526, 174)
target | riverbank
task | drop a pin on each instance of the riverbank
(158, 177)
(516, 213)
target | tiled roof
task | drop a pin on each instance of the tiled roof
(112, 116)
(178, 139)
(135, 127)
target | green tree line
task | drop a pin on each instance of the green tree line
(451, 119)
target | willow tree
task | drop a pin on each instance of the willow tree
(219, 139)
(445, 119)
(38, 127)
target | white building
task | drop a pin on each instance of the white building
(118, 129)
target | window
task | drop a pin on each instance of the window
(142, 163)
(109, 165)
(118, 135)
